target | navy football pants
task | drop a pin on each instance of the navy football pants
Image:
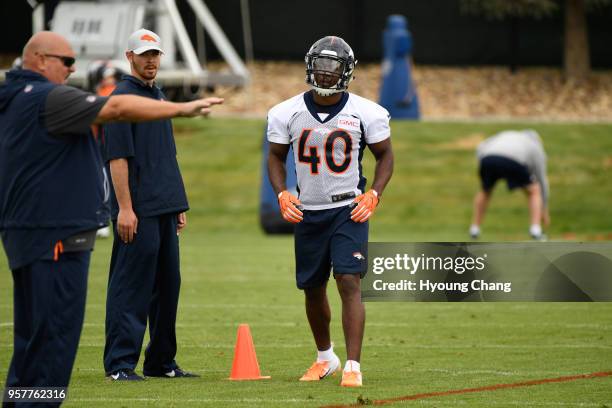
(49, 306)
(144, 282)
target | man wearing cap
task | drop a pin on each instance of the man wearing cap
(53, 189)
(148, 204)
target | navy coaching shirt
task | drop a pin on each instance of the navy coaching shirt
(52, 180)
(155, 181)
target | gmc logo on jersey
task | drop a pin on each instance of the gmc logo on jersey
(347, 122)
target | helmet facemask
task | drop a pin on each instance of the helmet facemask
(327, 72)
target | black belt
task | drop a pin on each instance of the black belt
(83, 241)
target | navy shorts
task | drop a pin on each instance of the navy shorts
(493, 168)
(327, 239)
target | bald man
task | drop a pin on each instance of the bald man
(53, 193)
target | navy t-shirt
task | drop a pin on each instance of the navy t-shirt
(156, 185)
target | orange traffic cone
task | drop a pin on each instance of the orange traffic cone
(245, 366)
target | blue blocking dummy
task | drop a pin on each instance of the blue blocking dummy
(398, 93)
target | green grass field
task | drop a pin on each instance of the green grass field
(233, 273)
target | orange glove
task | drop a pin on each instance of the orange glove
(288, 206)
(366, 204)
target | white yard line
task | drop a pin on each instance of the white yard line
(407, 345)
(450, 372)
(594, 326)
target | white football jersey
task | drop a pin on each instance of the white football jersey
(328, 151)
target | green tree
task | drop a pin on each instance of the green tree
(576, 55)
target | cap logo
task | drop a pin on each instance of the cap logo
(149, 38)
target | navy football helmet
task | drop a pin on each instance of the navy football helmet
(98, 70)
(330, 63)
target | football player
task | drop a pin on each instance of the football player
(519, 158)
(328, 129)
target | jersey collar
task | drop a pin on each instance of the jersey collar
(331, 110)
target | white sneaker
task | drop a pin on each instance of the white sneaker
(474, 231)
(103, 232)
(541, 237)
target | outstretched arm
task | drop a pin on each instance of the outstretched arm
(132, 108)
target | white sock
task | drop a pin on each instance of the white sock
(352, 365)
(535, 230)
(326, 355)
(474, 230)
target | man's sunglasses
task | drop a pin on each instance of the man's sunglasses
(67, 61)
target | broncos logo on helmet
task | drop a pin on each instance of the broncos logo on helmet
(330, 63)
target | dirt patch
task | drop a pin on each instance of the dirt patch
(444, 93)
(600, 237)
(469, 142)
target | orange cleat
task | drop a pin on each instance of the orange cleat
(351, 379)
(321, 369)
